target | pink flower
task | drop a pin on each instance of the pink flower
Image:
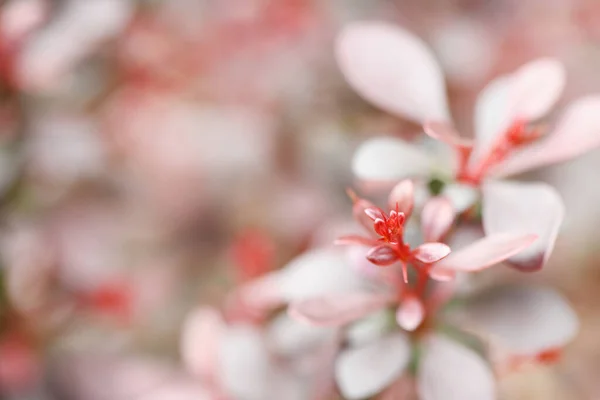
(388, 246)
(396, 71)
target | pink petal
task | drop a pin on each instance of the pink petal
(382, 255)
(410, 314)
(577, 132)
(364, 371)
(354, 240)
(449, 370)
(387, 158)
(492, 117)
(522, 319)
(484, 253)
(429, 253)
(536, 87)
(202, 331)
(337, 309)
(393, 69)
(359, 212)
(437, 218)
(524, 208)
(402, 197)
(444, 132)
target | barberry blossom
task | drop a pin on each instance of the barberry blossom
(396, 71)
(432, 258)
(393, 320)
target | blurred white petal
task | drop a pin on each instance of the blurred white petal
(524, 208)
(522, 319)
(393, 69)
(387, 158)
(366, 370)
(449, 370)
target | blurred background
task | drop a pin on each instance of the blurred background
(156, 153)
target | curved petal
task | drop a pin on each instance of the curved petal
(201, 334)
(393, 69)
(536, 88)
(411, 313)
(402, 197)
(577, 132)
(335, 310)
(387, 158)
(314, 273)
(429, 253)
(485, 252)
(244, 368)
(449, 370)
(437, 218)
(288, 337)
(524, 208)
(522, 319)
(492, 116)
(445, 132)
(382, 255)
(364, 371)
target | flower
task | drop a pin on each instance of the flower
(387, 244)
(396, 71)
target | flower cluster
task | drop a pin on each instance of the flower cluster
(392, 313)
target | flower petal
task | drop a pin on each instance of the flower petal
(577, 132)
(366, 370)
(289, 337)
(393, 69)
(402, 197)
(492, 116)
(244, 367)
(201, 334)
(382, 255)
(314, 273)
(410, 314)
(485, 252)
(449, 370)
(524, 208)
(522, 319)
(536, 87)
(429, 253)
(437, 218)
(445, 132)
(387, 158)
(461, 196)
(339, 309)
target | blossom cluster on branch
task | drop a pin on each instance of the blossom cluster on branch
(390, 313)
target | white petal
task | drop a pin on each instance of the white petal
(365, 371)
(524, 208)
(492, 116)
(449, 370)
(288, 336)
(316, 272)
(244, 366)
(387, 158)
(536, 87)
(522, 319)
(461, 196)
(393, 69)
(200, 338)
